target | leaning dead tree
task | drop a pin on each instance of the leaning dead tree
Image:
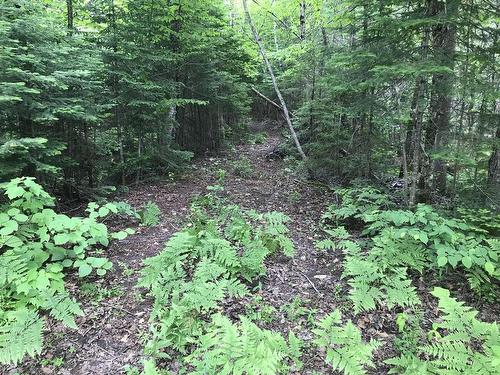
(273, 79)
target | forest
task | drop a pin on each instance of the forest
(249, 187)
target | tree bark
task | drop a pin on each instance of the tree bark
(275, 83)
(417, 117)
(443, 42)
(494, 170)
(302, 20)
(69, 8)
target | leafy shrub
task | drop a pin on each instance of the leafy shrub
(410, 334)
(430, 239)
(242, 167)
(414, 240)
(356, 202)
(150, 214)
(257, 138)
(481, 220)
(36, 246)
(457, 344)
(377, 276)
(345, 349)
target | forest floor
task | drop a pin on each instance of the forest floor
(294, 292)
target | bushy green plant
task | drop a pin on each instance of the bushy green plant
(242, 167)
(457, 344)
(37, 246)
(433, 240)
(375, 277)
(244, 348)
(257, 138)
(345, 349)
(150, 214)
(203, 264)
(410, 334)
(355, 203)
(481, 220)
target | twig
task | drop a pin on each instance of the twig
(310, 282)
(267, 99)
(118, 308)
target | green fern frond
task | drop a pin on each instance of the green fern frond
(12, 267)
(20, 335)
(364, 296)
(407, 365)
(345, 349)
(62, 307)
(399, 290)
(242, 348)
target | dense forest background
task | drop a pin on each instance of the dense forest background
(108, 92)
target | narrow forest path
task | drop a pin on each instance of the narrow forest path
(110, 334)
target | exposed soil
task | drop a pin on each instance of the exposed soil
(110, 334)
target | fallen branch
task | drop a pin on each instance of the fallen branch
(275, 83)
(310, 282)
(270, 101)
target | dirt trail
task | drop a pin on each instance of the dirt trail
(110, 334)
(294, 292)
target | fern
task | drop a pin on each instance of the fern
(345, 349)
(408, 365)
(202, 266)
(62, 308)
(150, 214)
(356, 203)
(227, 348)
(399, 290)
(364, 297)
(20, 335)
(457, 344)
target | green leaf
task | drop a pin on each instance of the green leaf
(9, 227)
(84, 270)
(103, 211)
(467, 261)
(489, 267)
(119, 235)
(442, 261)
(14, 191)
(101, 271)
(97, 262)
(61, 238)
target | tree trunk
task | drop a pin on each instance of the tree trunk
(69, 7)
(275, 83)
(417, 117)
(443, 42)
(494, 170)
(302, 20)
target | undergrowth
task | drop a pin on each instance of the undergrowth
(38, 247)
(397, 245)
(219, 256)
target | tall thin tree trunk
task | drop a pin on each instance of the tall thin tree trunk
(275, 83)
(443, 42)
(417, 117)
(69, 14)
(302, 20)
(494, 170)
